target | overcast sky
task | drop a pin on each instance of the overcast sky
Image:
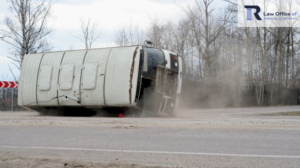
(109, 13)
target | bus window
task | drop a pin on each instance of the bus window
(155, 57)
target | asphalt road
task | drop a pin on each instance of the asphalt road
(200, 138)
(241, 112)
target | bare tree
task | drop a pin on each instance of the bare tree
(208, 27)
(121, 37)
(25, 30)
(90, 32)
(180, 33)
(156, 32)
(129, 36)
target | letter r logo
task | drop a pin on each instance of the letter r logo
(249, 12)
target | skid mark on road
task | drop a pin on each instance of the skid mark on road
(155, 152)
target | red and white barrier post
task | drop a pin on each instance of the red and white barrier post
(9, 84)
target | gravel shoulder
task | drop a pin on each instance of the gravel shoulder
(11, 161)
(189, 119)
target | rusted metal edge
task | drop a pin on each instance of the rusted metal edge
(131, 73)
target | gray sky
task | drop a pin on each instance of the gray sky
(111, 14)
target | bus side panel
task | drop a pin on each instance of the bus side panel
(94, 96)
(180, 75)
(70, 76)
(45, 96)
(20, 87)
(121, 76)
(30, 69)
(167, 57)
(179, 85)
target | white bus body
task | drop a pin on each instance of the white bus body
(98, 78)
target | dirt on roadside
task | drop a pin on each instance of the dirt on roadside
(206, 120)
(13, 161)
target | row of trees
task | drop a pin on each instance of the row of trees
(223, 65)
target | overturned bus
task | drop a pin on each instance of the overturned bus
(136, 80)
